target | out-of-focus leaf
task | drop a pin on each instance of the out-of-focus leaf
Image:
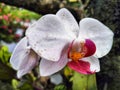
(12, 18)
(6, 72)
(22, 13)
(60, 87)
(5, 86)
(73, 0)
(15, 84)
(67, 71)
(84, 82)
(4, 54)
(25, 85)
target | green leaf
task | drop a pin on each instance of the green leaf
(4, 54)
(5, 86)
(60, 87)
(67, 71)
(15, 84)
(25, 85)
(6, 72)
(72, 0)
(84, 82)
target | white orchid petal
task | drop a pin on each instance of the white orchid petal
(100, 34)
(48, 37)
(50, 67)
(22, 56)
(28, 64)
(19, 53)
(94, 63)
(69, 22)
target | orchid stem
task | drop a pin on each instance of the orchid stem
(84, 82)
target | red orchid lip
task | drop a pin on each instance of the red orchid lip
(81, 67)
(88, 48)
(91, 47)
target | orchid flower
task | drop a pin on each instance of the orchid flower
(60, 41)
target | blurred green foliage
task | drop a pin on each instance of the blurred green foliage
(4, 54)
(17, 12)
(60, 87)
(8, 78)
(74, 3)
(12, 18)
(6, 72)
(5, 86)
